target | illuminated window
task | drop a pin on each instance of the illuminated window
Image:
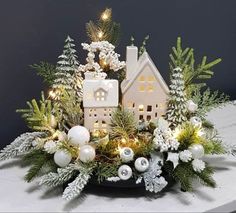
(104, 125)
(141, 78)
(100, 95)
(150, 88)
(151, 78)
(149, 117)
(141, 88)
(141, 108)
(96, 124)
(149, 108)
(129, 104)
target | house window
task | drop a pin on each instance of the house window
(105, 110)
(90, 115)
(149, 117)
(129, 105)
(100, 95)
(150, 88)
(104, 125)
(141, 88)
(91, 110)
(95, 115)
(156, 105)
(141, 78)
(105, 115)
(149, 108)
(156, 114)
(141, 108)
(133, 105)
(140, 117)
(96, 124)
(151, 78)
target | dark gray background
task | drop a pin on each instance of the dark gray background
(31, 31)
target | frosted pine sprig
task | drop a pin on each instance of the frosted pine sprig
(20, 145)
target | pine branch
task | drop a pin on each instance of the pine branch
(106, 170)
(75, 188)
(142, 49)
(207, 100)
(45, 70)
(39, 116)
(20, 145)
(122, 123)
(38, 159)
(62, 176)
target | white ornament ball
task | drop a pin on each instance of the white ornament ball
(126, 154)
(78, 135)
(196, 122)
(197, 151)
(124, 172)
(191, 106)
(62, 158)
(87, 153)
(53, 121)
(141, 164)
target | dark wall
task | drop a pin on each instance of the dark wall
(31, 31)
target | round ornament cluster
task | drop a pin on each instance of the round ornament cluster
(197, 151)
(126, 154)
(141, 164)
(62, 158)
(87, 153)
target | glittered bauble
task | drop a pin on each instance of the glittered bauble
(197, 150)
(124, 172)
(141, 164)
(126, 154)
(191, 106)
(78, 135)
(87, 153)
(196, 122)
(53, 121)
(62, 158)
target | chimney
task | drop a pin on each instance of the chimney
(131, 61)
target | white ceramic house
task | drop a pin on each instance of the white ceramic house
(100, 98)
(144, 91)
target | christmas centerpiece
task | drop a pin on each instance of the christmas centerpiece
(111, 122)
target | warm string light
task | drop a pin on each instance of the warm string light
(106, 15)
(54, 94)
(100, 34)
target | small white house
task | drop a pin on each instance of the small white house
(144, 91)
(100, 98)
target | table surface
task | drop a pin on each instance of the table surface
(18, 196)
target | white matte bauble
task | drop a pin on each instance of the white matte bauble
(124, 172)
(126, 154)
(191, 106)
(141, 164)
(62, 158)
(197, 151)
(196, 122)
(87, 153)
(78, 135)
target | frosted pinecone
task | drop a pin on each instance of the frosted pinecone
(198, 165)
(185, 156)
(50, 147)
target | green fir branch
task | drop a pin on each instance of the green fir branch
(46, 71)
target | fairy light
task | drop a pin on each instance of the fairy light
(106, 15)
(100, 34)
(52, 94)
(123, 140)
(176, 132)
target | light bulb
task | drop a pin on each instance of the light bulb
(100, 34)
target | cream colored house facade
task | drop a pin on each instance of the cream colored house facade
(144, 91)
(100, 98)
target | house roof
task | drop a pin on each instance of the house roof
(144, 60)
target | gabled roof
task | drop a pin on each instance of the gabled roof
(144, 60)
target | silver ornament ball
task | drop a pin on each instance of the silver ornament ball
(197, 151)
(141, 164)
(62, 158)
(196, 122)
(78, 135)
(87, 153)
(126, 154)
(124, 172)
